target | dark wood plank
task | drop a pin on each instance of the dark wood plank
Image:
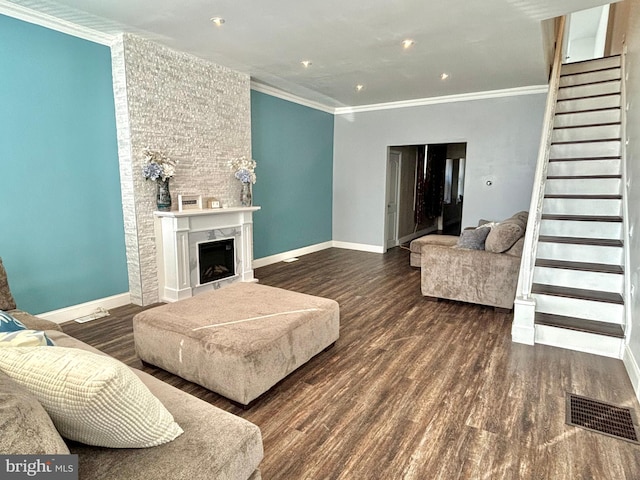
(581, 266)
(575, 142)
(580, 177)
(582, 197)
(602, 242)
(580, 159)
(414, 389)
(580, 324)
(582, 218)
(578, 293)
(601, 95)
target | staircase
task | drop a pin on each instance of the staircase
(578, 278)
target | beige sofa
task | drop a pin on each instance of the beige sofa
(215, 444)
(483, 276)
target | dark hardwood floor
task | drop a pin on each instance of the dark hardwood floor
(414, 389)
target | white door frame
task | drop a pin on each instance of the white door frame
(393, 155)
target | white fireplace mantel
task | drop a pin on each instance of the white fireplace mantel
(177, 237)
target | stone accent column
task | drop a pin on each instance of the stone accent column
(194, 111)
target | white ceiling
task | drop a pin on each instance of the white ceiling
(482, 44)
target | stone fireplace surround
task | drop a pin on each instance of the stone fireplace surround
(192, 110)
(177, 237)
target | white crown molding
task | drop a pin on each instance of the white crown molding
(463, 97)
(275, 92)
(48, 21)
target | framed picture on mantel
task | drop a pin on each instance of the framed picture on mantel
(189, 202)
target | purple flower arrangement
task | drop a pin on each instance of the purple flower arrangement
(159, 166)
(244, 168)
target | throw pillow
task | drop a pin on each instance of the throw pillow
(473, 239)
(517, 248)
(503, 236)
(91, 398)
(6, 299)
(13, 333)
(26, 428)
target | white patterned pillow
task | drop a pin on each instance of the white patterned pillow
(91, 398)
(13, 333)
(24, 338)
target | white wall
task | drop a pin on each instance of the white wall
(632, 357)
(502, 136)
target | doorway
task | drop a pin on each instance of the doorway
(424, 191)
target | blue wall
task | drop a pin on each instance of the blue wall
(293, 148)
(62, 238)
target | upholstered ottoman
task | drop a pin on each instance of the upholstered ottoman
(237, 341)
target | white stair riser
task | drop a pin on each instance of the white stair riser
(560, 277)
(585, 186)
(582, 206)
(579, 341)
(585, 150)
(585, 167)
(587, 118)
(573, 307)
(557, 228)
(609, 101)
(589, 90)
(585, 133)
(590, 77)
(598, 64)
(580, 253)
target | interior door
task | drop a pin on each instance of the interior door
(393, 191)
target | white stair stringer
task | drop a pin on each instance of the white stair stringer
(578, 278)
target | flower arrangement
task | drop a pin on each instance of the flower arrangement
(159, 166)
(245, 169)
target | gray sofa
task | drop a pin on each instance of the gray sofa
(486, 276)
(215, 444)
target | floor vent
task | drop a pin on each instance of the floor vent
(601, 417)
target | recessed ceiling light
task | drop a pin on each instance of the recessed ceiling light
(217, 21)
(444, 76)
(359, 87)
(408, 43)
(306, 63)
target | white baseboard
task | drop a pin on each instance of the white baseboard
(279, 257)
(360, 246)
(76, 311)
(633, 370)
